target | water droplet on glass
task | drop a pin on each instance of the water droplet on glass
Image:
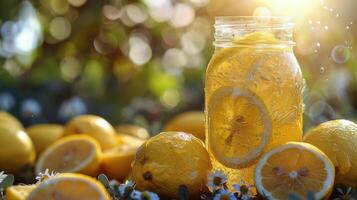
(322, 70)
(318, 44)
(340, 54)
(347, 27)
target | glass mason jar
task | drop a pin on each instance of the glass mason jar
(253, 93)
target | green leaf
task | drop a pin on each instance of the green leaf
(8, 181)
(183, 192)
(104, 180)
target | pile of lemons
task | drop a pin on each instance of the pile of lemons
(88, 145)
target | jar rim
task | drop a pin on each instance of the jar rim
(254, 22)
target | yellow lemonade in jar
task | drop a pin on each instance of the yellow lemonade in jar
(253, 92)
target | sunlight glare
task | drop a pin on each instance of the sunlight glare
(295, 8)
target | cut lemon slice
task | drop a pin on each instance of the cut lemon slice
(295, 167)
(69, 186)
(19, 192)
(77, 153)
(239, 126)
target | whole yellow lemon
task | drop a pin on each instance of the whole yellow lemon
(43, 135)
(189, 122)
(170, 159)
(94, 126)
(338, 140)
(16, 149)
(10, 120)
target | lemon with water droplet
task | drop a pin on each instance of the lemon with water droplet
(338, 140)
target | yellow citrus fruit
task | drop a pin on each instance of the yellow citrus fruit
(116, 162)
(189, 122)
(133, 130)
(70, 186)
(19, 192)
(240, 126)
(294, 167)
(338, 140)
(94, 126)
(77, 153)
(130, 140)
(16, 149)
(170, 159)
(10, 120)
(43, 135)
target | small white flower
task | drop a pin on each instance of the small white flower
(122, 187)
(146, 195)
(216, 180)
(243, 190)
(224, 195)
(2, 176)
(42, 176)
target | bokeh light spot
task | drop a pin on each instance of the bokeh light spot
(173, 60)
(183, 15)
(60, 28)
(60, 7)
(136, 13)
(111, 12)
(140, 52)
(170, 98)
(77, 3)
(192, 42)
(340, 54)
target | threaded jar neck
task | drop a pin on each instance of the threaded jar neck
(269, 32)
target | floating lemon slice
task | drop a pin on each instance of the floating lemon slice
(240, 126)
(78, 153)
(295, 167)
(69, 186)
(19, 192)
